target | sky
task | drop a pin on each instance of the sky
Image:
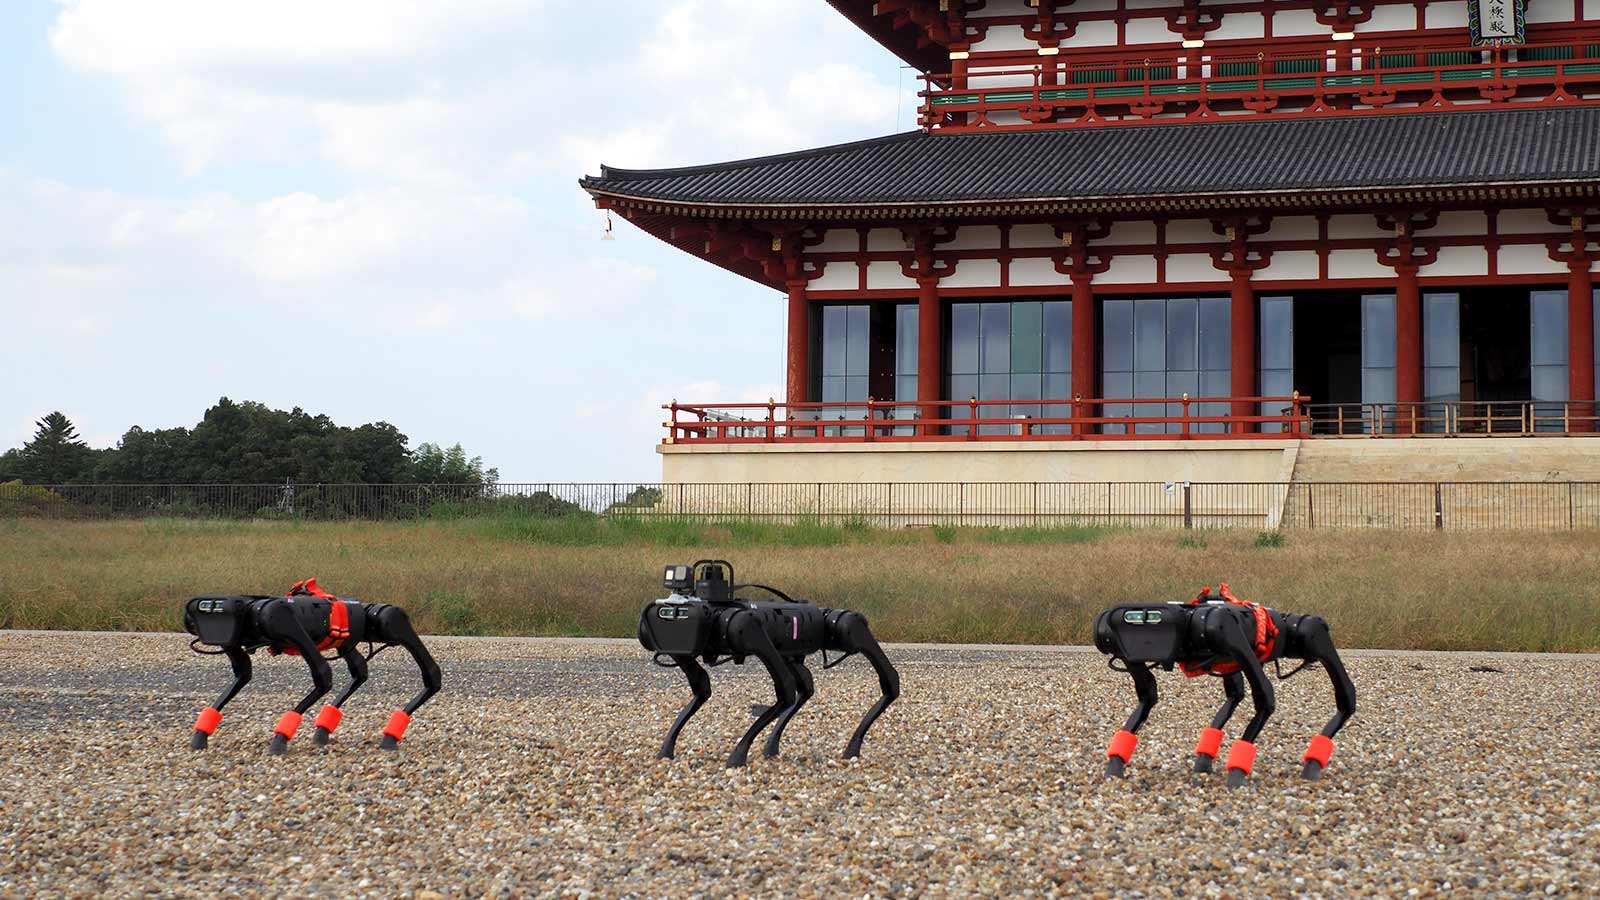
(369, 209)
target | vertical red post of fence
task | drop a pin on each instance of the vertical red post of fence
(772, 427)
(672, 429)
(972, 430)
(1186, 424)
(871, 428)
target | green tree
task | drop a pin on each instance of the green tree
(432, 464)
(55, 455)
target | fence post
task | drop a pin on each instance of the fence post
(1438, 506)
(749, 500)
(1570, 519)
(1311, 506)
(1188, 509)
(889, 516)
(972, 429)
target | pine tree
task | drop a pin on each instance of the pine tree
(55, 455)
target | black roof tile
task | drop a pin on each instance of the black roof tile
(1262, 155)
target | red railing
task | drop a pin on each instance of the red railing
(1176, 418)
(1267, 81)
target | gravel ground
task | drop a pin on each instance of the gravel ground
(533, 774)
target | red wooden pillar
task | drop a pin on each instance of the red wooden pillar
(930, 340)
(1407, 347)
(1242, 380)
(1580, 342)
(799, 362)
(1084, 328)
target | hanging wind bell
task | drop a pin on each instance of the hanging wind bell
(607, 235)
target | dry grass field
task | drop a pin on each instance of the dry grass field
(1387, 589)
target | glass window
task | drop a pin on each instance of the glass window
(905, 363)
(1441, 359)
(1216, 335)
(1548, 325)
(1183, 335)
(1116, 332)
(1164, 348)
(1275, 352)
(996, 338)
(1027, 327)
(846, 360)
(1378, 354)
(963, 340)
(1004, 350)
(1058, 339)
(1277, 333)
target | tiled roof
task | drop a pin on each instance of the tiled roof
(1258, 156)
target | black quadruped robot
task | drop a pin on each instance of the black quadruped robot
(703, 619)
(306, 622)
(1234, 640)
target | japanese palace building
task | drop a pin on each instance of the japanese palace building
(1181, 239)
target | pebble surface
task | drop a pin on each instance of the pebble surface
(534, 775)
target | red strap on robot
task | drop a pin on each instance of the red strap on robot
(1266, 636)
(338, 615)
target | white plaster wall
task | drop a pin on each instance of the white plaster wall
(1005, 37)
(1468, 222)
(1192, 231)
(1526, 221)
(887, 275)
(1252, 461)
(1459, 261)
(1293, 228)
(1034, 235)
(975, 237)
(1131, 233)
(1004, 117)
(1551, 11)
(1238, 26)
(1094, 6)
(1356, 226)
(1287, 264)
(838, 240)
(1390, 17)
(1356, 264)
(1033, 271)
(1093, 34)
(838, 276)
(1530, 259)
(886, 239)
(980, 78)
(1288, 22)
(1129, 270)
(1447, 14)
(1149, 31)
(1193, 267)
(974, 273)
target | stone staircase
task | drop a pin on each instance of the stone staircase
(1483, 483)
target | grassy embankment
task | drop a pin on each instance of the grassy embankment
(1506, 591)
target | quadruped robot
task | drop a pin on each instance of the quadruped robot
(306, 622)
(703, 620)
(1230, 638)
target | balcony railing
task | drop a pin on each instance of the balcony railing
(1280, 82)
(1173, 418)
(1483, 418)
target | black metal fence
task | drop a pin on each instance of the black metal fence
(1265, 506)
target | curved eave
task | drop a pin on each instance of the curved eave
(902, 42)
(1147, 205)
